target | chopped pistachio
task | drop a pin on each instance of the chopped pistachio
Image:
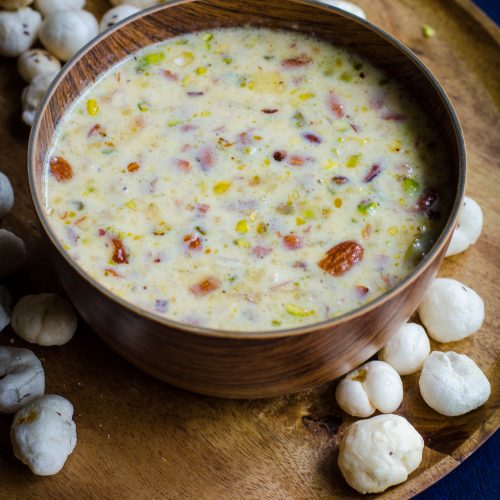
(395, 146)
(346, 76)
(242, 226)
(201, 70)
(428, 31)
(353, 161)
(242, 243)
(306, 96)
(298, 311)
(227, 60)
(261, 228)
(300, 121)
(143, 107)
(410, 185)
(366, 207)
(221, 187)
(92, 107)
(149, 59)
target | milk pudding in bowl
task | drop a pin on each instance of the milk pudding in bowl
(246, 179)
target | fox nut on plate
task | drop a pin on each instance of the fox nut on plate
(44, 319)
(43, 434)
(452, 384)
(18, 31)
(115, 15)
(36, 62)
(5, 303)
(6, 195)
(407, 349)
(47, 7)
(33, 94)
(12, 252)
(379, 452)
(22, 378)
(65, 32)
(373, 386)
(469, 226)
(451, 311)
(350, 7)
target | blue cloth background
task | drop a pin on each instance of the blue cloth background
(479, 476)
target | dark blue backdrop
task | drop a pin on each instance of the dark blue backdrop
(479, 476)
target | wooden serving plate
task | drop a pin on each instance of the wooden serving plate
(139, 438)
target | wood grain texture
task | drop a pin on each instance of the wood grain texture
(139, 438)
(237, 364)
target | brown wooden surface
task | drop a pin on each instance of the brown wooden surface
(139, 438)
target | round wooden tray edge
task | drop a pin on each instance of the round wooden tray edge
(430, 476)
(481, 18)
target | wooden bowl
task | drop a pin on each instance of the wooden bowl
(261, 364)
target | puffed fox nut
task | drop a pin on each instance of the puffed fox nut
(44, 319)
(18, 31)
(22, 378)
(373, 386)
(33, 94)
(350, 7)
(43, 434)
(407, 349)
(451, 311)
(452, 384)
(115, 15)
(36, 62)
(65, 32)
(469, 227)
(14, 4)
(5, 304)
(379, 452)
(12, 252)
(47, 7)
(6, 195)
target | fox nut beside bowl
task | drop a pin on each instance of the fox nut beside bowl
(232, 364)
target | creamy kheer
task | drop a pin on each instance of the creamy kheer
(245, 179)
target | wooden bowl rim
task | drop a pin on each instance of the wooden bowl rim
(441, 241)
